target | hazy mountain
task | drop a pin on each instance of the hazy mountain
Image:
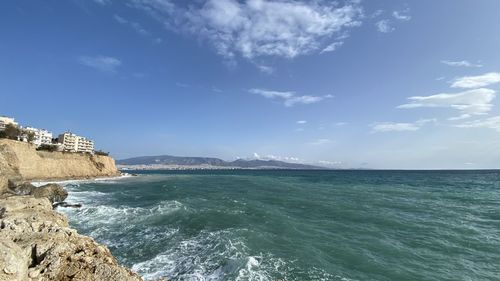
(194, 161)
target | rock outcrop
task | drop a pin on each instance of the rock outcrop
(53, 192)
(22, 160)
(36, 243)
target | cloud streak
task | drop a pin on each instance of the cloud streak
(101, 63)
(462, 63)
(471, 102)
(469, 82)
(490, 123)
(384, 127)
(289, 98)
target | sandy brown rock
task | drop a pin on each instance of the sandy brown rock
(22, 160)
(37, 244)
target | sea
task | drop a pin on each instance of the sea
(270, 225)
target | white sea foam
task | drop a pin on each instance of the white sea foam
(76, 182)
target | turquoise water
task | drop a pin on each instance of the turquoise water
(298, 225)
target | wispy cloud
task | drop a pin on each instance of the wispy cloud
(387, 25)
(491, 123)
(384, 26)
(266, 69)
(321, 142)
(469, 82)
(402, 15)
(257, 28)
(383, 127)
(134, 25)
(103, 2)
(332, 47)
(276, 157)
(102, 63)
(463, 63)
(302, 122)
(471, 102)
(289, 98)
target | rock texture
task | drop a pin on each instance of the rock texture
(37, 244)
(22, 160)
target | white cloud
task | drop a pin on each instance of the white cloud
(403, 15)
(384, 26)
(332, 47)
(461, 63)
(391, 126)
(120, 19)
(289, 98)
(338, 124)
(266, 69)
(102, 63)
(469, 82)
(103, 2)
(490, 123)
(383, 127)
(255, 28)
(321, 142)
(460, 117)
(302, 99)
(276, 157)
(302, 122)
(473, 102)
(134, 25)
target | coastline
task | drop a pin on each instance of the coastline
(37, 243)
(80, 180)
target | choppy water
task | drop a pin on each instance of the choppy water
(298, 225)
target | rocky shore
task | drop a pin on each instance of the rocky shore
(36, 242)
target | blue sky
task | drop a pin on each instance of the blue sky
(370, 84)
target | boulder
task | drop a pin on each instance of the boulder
(54, 192)
(51, 191)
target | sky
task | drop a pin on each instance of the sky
(348, 84)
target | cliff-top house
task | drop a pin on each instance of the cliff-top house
(41, 136)
(4, 121)
(74, 143)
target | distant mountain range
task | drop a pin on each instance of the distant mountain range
(216, 162)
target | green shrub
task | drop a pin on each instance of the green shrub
(47, 147)
(100, 152)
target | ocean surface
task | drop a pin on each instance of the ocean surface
(297, 225)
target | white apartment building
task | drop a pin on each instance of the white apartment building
(4, 120)
(74, 143)
(41, 136)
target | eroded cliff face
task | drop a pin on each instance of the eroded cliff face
(21, 161)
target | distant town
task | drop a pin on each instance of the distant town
(44, 139)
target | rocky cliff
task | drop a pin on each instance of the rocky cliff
(21, 161)
(36, 242)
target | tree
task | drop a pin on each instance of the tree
(30, 136)
(11, 132)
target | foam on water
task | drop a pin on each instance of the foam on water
(266, 226)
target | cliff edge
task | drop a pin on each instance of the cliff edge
(20, 161)
(36, 242)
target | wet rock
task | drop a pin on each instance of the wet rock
(54, 192)
(66, 205)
